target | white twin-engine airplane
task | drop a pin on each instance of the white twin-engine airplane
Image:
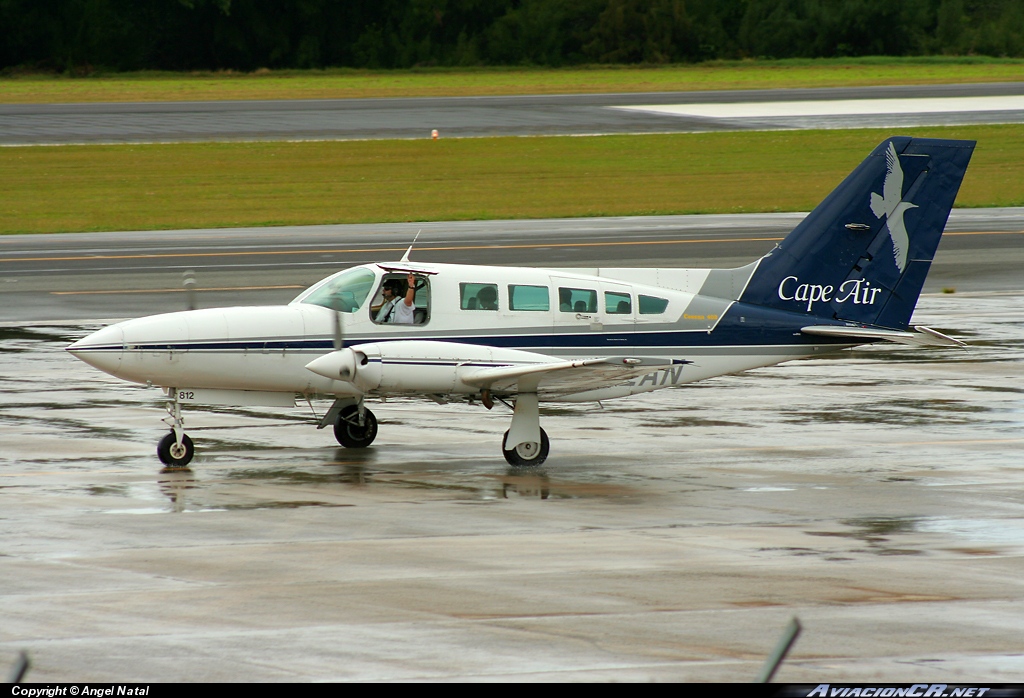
(849, 274)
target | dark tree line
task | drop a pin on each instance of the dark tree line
(250, 34)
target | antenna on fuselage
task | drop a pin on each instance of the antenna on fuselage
(405, 257)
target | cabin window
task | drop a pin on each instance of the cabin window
(617, 303)
(577, 300)
(383, 312)
(652, 305)
(345, 292)
(522, 297)
(479, 296)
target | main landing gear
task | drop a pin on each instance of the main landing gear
(354, 425)
(176, 449)
(525, 444)
(527, 454)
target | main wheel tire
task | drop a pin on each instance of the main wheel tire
(527, 455)
(349, 433)
(172, 455)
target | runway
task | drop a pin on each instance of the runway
(22, 124)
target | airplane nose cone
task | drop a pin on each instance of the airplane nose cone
(101, 349)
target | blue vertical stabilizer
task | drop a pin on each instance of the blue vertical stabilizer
(863, 254)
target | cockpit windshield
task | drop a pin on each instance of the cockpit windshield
(345, 292)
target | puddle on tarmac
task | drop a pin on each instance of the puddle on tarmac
(876, 534)
(880, 536)
(19, 339)
(998, 532)
(895, 411)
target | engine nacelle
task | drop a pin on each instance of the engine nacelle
(413, 366)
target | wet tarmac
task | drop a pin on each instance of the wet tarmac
(876, 495)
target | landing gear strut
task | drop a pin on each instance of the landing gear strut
(355, 427)
(176, 449)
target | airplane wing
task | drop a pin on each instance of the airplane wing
(921, 335)
(562, 377)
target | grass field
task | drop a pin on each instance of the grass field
(129, 187)
(342, 83)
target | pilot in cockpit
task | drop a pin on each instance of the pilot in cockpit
(398, 310)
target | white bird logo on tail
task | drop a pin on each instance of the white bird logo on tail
(891, 205)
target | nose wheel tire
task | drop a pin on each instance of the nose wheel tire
(350, 433)
(527, 455)
(174, 456)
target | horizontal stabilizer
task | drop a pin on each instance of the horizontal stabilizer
(921, 336)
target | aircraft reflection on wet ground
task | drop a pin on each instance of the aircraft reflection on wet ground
(838, 489)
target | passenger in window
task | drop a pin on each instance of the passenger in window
(623, 308)
(565, 300)
(398, 310)
(487, 298)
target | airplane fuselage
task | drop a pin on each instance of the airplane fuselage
(607, 312)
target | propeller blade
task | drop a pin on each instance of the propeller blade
(339, 335)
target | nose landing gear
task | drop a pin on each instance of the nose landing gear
(173, 454)
(176, 449)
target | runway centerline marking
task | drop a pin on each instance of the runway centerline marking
(448, 248)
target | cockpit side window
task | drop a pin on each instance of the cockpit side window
(388, 305)
(346, 292)
(478, 296)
